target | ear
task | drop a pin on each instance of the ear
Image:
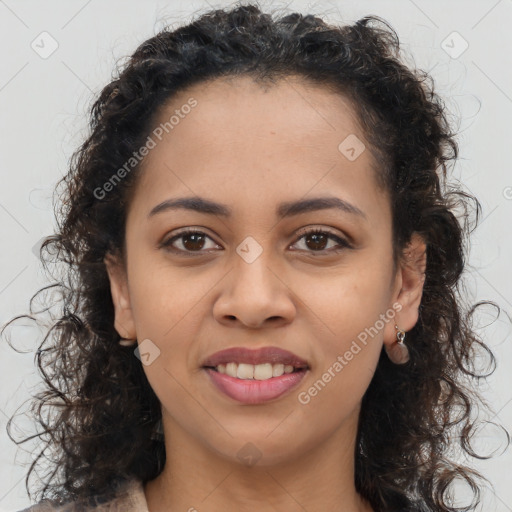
(124, 322)
(408, 288)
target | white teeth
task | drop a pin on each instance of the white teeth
(277, 370)
(231, 369)
(245, 371)
(262, 371)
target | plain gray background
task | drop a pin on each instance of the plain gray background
(56, 55)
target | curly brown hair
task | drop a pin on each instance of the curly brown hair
(104, 412)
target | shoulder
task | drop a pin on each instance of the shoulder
(129, 498)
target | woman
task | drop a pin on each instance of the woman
(262, 309)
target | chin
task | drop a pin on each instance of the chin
(261, 449)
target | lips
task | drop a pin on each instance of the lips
(272, 355)
(262, 374)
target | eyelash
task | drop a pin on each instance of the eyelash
(303, 233)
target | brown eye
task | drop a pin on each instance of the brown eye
(193, 241)
(314, 241)
(189, 242)
(317, 240)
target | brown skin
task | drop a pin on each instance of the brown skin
(252, 148)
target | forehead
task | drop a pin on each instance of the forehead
(290, 109)
(247, 140)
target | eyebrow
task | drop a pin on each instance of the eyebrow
(285, 209)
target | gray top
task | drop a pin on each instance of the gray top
(130, 498)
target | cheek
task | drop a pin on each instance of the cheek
(348, 346)
(348, 301)
(165, 298)
(335, 394)
(350, 311)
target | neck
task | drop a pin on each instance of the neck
(195, 478)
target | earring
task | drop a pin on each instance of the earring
(400, 335)
(127, 342)
(398, 353)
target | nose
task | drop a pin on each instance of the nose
(254, 295)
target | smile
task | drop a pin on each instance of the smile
(256, 372)
(255, 376)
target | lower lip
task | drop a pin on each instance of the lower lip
(250, 391)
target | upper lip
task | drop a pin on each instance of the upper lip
(273, 355)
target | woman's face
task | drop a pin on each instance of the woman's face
(253, 278)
